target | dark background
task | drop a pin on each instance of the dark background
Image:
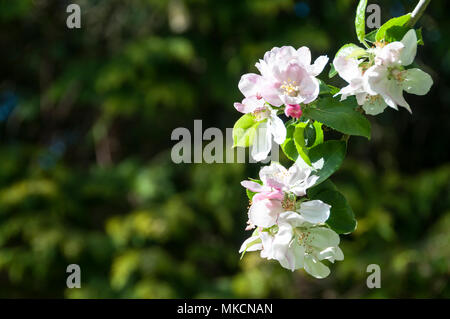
(86, 176)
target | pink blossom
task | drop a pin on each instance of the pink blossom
(293, 110)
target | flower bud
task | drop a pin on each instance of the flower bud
(293, 110)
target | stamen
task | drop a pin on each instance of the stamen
(290, 88)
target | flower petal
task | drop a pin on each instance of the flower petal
(374, 104)
(249, 104)
(395, 92)
(273, 175)
(315, 268)
(298, 252)
(347, 68)
(315, 211)
(278, 129)
(281, 240)
(294, 219)
(248, 84)
(264, 213)
(319, 65)
(267, 241)
(253, 186)
(309, 89)
(331, 254)
(293, 258)
(270, 93)
(268, 195)
(408, 53)
(300, 179)
(262, 142)
(417, 82)
(323, 238)
(251, 244)
(304, 55)
(390, 54)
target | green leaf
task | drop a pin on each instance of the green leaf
(323, 88)
(396, 33)
(333, 89)
(332, 72)
(309, 135)
(419, 37)
(244, 131)
(289, 148)
(300, 144)
(339, 115)
(326, 185)
(394, 22)
(360, 21)
(371, 36)
(313, 134)
(351, 50)
(342, 219)
(329, 155)
(326, 88)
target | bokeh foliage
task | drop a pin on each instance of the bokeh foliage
(85, 170)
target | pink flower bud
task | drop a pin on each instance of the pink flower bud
(293, 110)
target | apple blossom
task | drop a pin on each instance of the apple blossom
(291, 225)
(276, 178)
(389, 78)
(291, 74)
(299, 240)
(277, 193)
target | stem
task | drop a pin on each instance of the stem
(418, 12)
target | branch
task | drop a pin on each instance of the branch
(418, 11)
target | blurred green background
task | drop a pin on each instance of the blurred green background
(86, 177)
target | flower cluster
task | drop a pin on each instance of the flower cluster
(377, 76)
(297, 214)
(290, 228)
(287, 78)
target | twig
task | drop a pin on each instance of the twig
(418, 11)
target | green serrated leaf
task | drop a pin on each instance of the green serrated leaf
(244, 131)
(327, 158)
(394, 22)
(339, 115)
(360, 21)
